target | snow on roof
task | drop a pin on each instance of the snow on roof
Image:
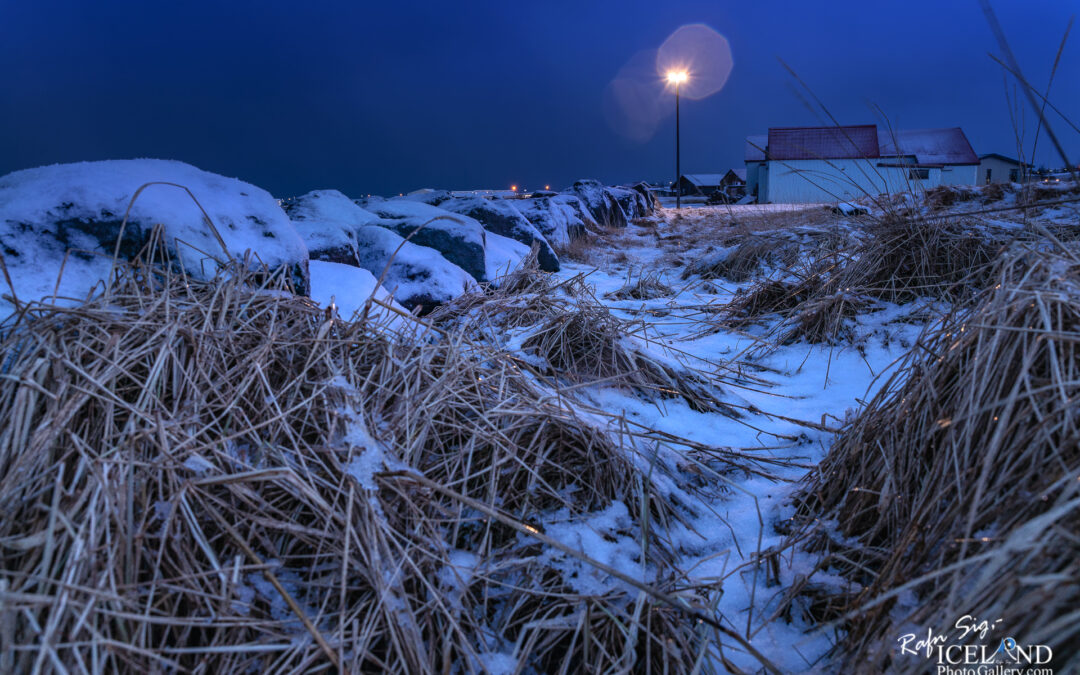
(929, 146)
(755, 148)
(706, 179)
(849, 142)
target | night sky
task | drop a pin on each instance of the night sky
(393, 96)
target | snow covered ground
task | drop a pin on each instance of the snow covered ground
(786, 420)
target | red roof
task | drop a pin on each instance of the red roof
(852, 142)
(929, 146)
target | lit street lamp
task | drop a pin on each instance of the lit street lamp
(677, 77)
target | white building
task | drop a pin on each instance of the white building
(995, 168)
(830, 164)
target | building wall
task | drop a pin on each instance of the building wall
(752, 177)
(999, 171)
(960, 175)
(819, 181)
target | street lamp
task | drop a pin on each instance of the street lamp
(677, 77)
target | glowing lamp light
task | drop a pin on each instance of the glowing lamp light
(677, 76)
(548, 187)
(513, 188)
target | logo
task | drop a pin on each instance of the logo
(971, 647)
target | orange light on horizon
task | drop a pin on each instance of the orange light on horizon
(513, 188)
(547, 187)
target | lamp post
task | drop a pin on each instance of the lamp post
(677, 77)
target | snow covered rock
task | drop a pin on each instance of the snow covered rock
(651, 203)
(502, 217)
(348, 288)
(48, 211)
(631, 201)
(459, 238)
(504, 255)
(560, 218)
(417, 276)
(339, 232)
(601, 202)
(327, 220)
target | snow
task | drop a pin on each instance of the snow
(348, 288)
(46, 211)
(417, 213)
(327, 220)
(604, 537)
(503, 255)
(328, 206)
(736, 514)
(458, 238)
(559, 218)
(414, 274)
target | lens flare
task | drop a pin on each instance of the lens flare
(634, 102)
(695, 58)
(702, 54)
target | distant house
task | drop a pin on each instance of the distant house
(829, 164)
(995, 168)
(700, 184)
(733, 184)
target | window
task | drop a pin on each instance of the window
(918, 174)
(988, 172)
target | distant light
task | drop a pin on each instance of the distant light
(513, 188)
(547, 187)
(677, 76)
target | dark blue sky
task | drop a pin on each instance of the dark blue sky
(396, 95)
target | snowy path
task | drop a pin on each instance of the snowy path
(736, 519)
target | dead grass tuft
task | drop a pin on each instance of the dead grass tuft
(218, 477)
(944, 196)
(646, 287)
(902, 260)
(746, 260)
(956, 489)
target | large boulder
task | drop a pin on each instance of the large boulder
(635, 203)
(327, 220)
(51, 211)
(631, 203)
(337, 230)
(601, 202)
(417, 276)
(502, 217)
(560, 218)
(652, 204)
(459, 238)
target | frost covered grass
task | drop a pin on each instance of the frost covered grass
(222, 476)
(549, 473)
(956, 490)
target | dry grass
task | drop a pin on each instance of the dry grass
(590, 344)
(768, 297)
(825, 319)
(958, 482)
(901, 260)
(648, 286)
(746, 260)
(580, 249)
(945, 196)
(219, 477)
